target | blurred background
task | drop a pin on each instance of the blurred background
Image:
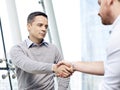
(74, 27)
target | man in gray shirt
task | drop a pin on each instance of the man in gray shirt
(36, 60)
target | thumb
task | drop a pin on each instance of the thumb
(68, 64)
(60, 63)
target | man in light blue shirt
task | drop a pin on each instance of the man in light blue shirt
(110, 14)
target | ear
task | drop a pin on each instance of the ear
(28, 26)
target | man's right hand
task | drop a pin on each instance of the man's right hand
(62, 70)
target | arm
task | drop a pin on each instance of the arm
(21, 60)
(96, 68)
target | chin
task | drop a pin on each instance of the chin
(40, 38)
(106, 23)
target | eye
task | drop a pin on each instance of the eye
(46, 26)
(40, 25)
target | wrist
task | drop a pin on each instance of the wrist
(73, 66)
(54, 66)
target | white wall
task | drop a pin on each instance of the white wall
(67, 14)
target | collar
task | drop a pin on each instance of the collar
(32, 44)
(116, 22)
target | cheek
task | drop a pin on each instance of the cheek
(32, 31)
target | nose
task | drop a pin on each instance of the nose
(44, 29)
(98, 14)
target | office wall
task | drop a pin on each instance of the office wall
(67, 14)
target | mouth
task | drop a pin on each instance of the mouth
(43, 34)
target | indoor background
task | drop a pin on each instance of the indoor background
(74, 27)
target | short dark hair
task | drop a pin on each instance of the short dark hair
(32, 15)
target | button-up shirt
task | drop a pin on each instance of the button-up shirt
(112, 64)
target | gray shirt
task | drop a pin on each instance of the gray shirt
(112, 64)
(33, 64)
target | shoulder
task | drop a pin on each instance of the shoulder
(51, 45)
(21, 44)
(18, 46)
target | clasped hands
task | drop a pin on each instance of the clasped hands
(63, 69)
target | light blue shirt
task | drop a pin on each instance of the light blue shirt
(111, 79)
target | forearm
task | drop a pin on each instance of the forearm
(31, 66)
(96, 68)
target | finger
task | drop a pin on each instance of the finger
(58, 75)
(60, 63)
(65, 75)
(66, 72)
(69, 69)
(68, 64)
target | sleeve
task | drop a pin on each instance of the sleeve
(112, 72)
(20, 59)
(63, 83)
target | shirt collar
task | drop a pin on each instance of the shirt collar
(32, 44)
(116, 22)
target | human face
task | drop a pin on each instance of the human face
(104, 12)
(38, 29)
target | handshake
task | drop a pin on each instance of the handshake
(63, 69)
